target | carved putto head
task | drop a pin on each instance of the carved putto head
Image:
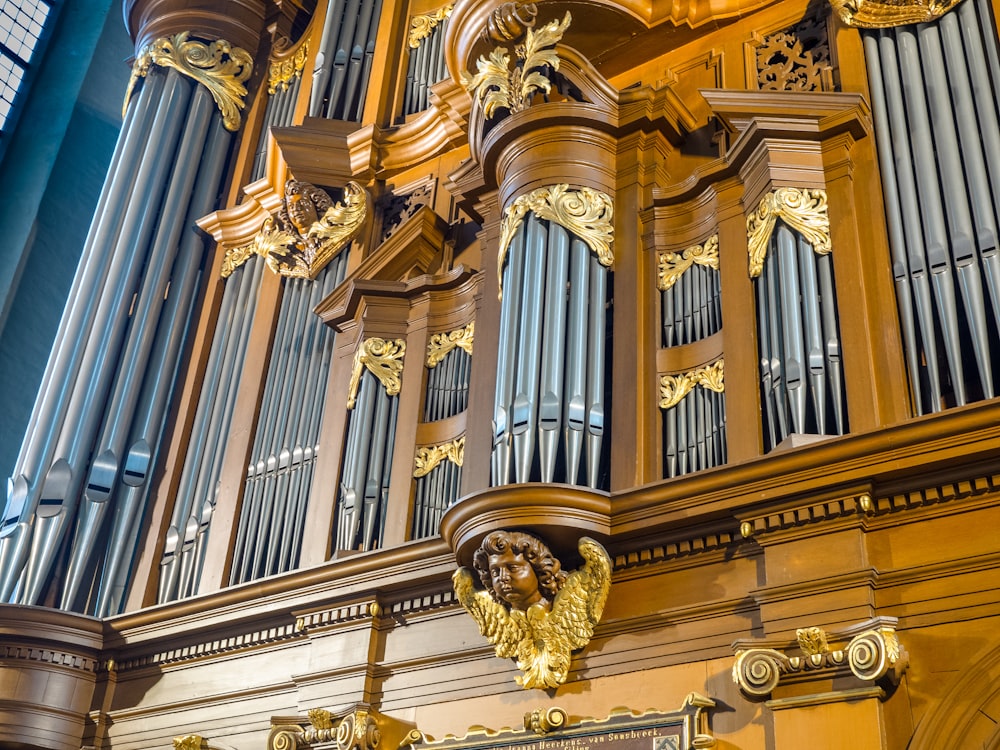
(518, 569)
(302, 207)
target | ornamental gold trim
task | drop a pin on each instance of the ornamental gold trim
(421, 26)
(190, 742)
(442, 343)
(804, 210)
(218, 66)
(282, 72)
(673, 388)
(384, 359)
(672, 266)
(429, 457)
(300, 251)
(499, 86)
(587, 213)
(880, 14)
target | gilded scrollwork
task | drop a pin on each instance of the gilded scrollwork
(384, 359)
(282, 72)
(883, 14)
(307, 232)
(442, 343)
(531, 609)
(421, 26)
(673, 388)
(672, 266)
(190, 742)
(804, 210)
(218, 66)
(430, 456)
(587, 213)
(498, 85)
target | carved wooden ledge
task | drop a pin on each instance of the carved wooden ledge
(868, 651)
(361, 728)
(560, 513)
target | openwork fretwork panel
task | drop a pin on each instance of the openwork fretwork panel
(796, 59)
(934, 100)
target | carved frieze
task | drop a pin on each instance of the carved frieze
(530, 609)
(218, 66)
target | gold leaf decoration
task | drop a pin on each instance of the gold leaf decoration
(190, 742)
(883, 14)
(673, 388)
(587, 213)
(282, 72)
(384, 359)
(268, 240)
(422, 26)
(218, 66)
(320, 718)
(803, 210)
(813, 641)
(442, 343)
(429, 457)
(672, 266)
(499, 86)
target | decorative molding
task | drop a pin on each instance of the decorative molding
(384, 359)
(822, 509)
(803, 210)
(49, 656)
(883, 14)
(218, 66)
(421, 26)
(673, 388)
(307, 232)
(289, 67)
(501, 87)
(337, 615)
(442, 343)
(429, 457)
(671, 266)
(362, 728)
(679, 548)
(872, 654)
(587, 213)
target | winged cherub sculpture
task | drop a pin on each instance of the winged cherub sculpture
(531, 609)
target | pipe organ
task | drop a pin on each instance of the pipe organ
(426, 64)
(345, 59)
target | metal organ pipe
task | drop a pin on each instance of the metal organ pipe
(344, 61)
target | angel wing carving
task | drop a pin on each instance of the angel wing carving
(542, 638)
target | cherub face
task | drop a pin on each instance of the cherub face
(514, 579)
(302, 212)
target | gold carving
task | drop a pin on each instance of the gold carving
(282, 72)
(673, 388)
(499, 86)
(320, 718)
(870, 655)
(442, 343)
(587, 213)
(672, 266)
(429, 457)
(545, 720)
(882, 14)
(422, 26)
(307, 233)
(190, 742)
(361, 728)
(803, 210)
(531, 609)
(218, 66)
(385, 361)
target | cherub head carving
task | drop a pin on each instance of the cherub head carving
(518, 569)
(303, 206)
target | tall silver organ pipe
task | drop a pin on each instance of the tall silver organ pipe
(550, 403)
(802, 389)
(278, 113)
(286, 441)
(934, 99)
(426, 66)
(81, 481)
(343, 65)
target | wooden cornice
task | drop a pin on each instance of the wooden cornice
(236, 226)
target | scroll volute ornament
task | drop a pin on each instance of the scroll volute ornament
(804, 210)
(530, 609)
(384, 359)
(882, 14)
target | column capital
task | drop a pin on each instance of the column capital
(239, 22)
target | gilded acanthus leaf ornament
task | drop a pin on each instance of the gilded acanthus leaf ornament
(218, 66)
(286, 69)
(308, 231)
(498, 85)
(883, 14)
(190, 742)
(531, 610)
(672, 266)
(587, 213)
(803, 210)
(430, 456)
(673, 388)
(442, 343)
(421, 26)
(384, 359)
